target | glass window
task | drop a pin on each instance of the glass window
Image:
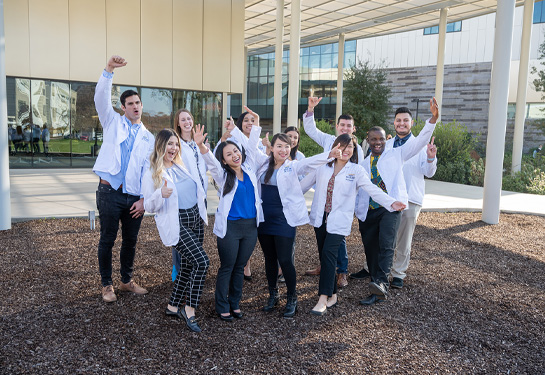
(326, 48)
(511, 110)
(314, 62)
(253, 64)
(84, 122)
(156, 114)
(536, 110)
(327, 61)
(349, 59)
(314, 50)
(263, 66)
(350, 46)
(451, 27)
(539, 9)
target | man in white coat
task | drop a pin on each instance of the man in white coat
(423, 164)
(378, 226)
(121, 163)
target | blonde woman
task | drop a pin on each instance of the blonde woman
(193, 161)
(177, 198)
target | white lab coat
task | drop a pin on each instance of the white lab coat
(192, 165)
(116, 131)
(166, 209)
(390, 168)
(414, 171)
(347, 182)
(293, 202)
(219, 175)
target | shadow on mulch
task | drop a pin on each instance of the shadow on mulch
(473, 302)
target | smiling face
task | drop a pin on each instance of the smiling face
(345, 127)
(377, 141)
(232, 156)
(294, 138)
(402, 124)
(247, 124)
(133, 109)
(185, 123)
(280, 150)
(347, 151)
(172, 149)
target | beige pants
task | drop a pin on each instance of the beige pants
(405, 232)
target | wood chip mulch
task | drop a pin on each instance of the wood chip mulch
(473, 303)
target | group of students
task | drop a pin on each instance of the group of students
(260, 187)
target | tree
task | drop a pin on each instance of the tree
(366, 96)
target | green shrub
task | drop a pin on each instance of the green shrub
(307, 145)
(454, 145)
(530, 179)
(476, 173)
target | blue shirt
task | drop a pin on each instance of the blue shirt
(186, 188)
(398, 141)
(272, 180)
(243, 206)
(126, 149)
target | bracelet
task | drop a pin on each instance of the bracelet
(431, 159)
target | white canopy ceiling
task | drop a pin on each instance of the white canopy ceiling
(323, 20)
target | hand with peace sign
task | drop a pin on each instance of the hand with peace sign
(431, 151)
(229, 124)
(336, 152)
(166, 192)
(313, 102)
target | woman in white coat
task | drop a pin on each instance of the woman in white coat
(284, 208)
(192, 159)
(237, 218)
(332, 212)
(177, 198)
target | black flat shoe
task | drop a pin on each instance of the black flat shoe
(237, 315)
(248, 278)
(318, 313)
(190, 322)
(228, 318)
(171, 313)
(371, 300)
(332, 306)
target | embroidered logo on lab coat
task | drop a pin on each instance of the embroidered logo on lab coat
(287, 169)
(350, 177)
(145, 138)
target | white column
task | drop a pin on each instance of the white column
(5, 202)
(245, 85)
(520, 112)
(497, 113)
(440, 72)
(278, 50)
(224, 111)
(340, 73)
(295, 44)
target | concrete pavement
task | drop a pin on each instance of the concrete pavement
(61, 193)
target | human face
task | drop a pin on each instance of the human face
(133, 109)
(345, 127)
(232, 156)
(247, 124)
(377, 142)
(402, 124)
(185, 123)
(281, 151)
(294, 138)
(172, 149)
(347, 151)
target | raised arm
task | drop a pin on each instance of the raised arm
(309, 164)
(409, 149)
(428, 166)
(309, 124)
(213, 164)
(376, 193)
(103, 91)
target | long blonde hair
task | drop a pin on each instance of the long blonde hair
(156, 159)
(177, 122)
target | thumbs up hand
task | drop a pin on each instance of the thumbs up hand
(166, 192)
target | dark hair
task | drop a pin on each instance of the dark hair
(376, 129)
(293, 151)
(270, 168)
(126, 94)
(345, 117)
(403, 110)
(240, 119)
(231, 175)
(344, 140)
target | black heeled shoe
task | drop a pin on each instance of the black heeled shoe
(190, 322)
(291, 306)
(226, 318)
(237, 315)
(272, 301)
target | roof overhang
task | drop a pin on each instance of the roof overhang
(323, 20)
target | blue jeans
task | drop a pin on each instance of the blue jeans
(114, 206)
(234, 250)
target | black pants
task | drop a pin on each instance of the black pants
(114, 206)
(279, 250)
(234, 250)
(328, 250)
(379, 234)
(194, 262)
